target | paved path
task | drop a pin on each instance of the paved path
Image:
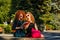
(7, 35)
(49, 35)
(52, 35)
(53, 31)
(10, 37)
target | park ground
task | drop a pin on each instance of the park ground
(49, 35)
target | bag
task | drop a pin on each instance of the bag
(35, 33)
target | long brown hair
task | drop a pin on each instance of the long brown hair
(18, 12)
(32, 17)
(33, 20)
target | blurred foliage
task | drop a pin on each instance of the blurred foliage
(47, 17)
(45, 10)
(7, 29)
(2, 25)
(4, 9)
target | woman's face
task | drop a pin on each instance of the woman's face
(28, 17)
(20, 16)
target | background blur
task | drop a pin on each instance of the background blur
(46, 13)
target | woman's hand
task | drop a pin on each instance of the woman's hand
(25, 25)
(13, 30)
(17, 27)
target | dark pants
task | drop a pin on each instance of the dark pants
(19, 33)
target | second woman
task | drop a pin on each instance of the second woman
(18, 21)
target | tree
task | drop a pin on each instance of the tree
(4, 10)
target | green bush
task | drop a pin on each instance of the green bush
(58, 28)
(7, 29)
(53, 27)
(2, 25)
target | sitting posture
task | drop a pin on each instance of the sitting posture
(31, 28)
(18, 21)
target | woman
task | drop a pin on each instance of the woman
(31, 27)
(18, 21)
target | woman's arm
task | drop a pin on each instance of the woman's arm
(36, 26)
(25, 25)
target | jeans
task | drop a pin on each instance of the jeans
(19, 33)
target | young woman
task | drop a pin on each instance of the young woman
(18, 21)
(31, 27)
